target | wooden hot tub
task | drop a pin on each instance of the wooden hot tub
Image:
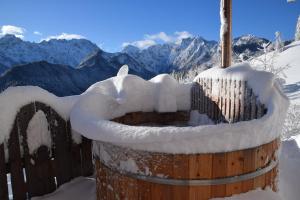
(126, 173)
(180, 176)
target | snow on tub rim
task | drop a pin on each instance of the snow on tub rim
(125, 93)
(152, 161)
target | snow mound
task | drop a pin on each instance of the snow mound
(81, 188)
(124, 94)
(14, 98)
(38, 132)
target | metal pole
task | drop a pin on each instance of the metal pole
(226, 31)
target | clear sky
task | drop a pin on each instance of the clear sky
(113, 23)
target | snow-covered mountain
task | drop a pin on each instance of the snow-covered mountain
(103, 61)
(192, 53)
(63, 80)
(14, 51)
(83, 63)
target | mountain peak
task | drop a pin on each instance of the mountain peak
(10, 38)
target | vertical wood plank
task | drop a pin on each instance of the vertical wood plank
(249, 166)
(242, 93)
(260, 161)
(39, 177)
(87, 157)
(202, 95)
(200, 167)
(232, 100)
(3, 177)
(76, 154)
(16, 165)
(219, 168)
(235, 164)
(61, 148)
(228, 100)
(247, 103)
(237, 102)
(253, 105)
(223, 99)
(181, 171)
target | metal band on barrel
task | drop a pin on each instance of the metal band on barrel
(202, 182)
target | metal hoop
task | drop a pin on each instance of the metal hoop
(201, 182)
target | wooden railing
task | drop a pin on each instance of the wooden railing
(42, 172)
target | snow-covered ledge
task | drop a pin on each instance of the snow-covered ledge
(127, 93)
(14, 98)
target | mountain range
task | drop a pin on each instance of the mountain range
(68, 67)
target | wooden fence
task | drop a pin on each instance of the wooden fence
(226, 100)
(47, 169)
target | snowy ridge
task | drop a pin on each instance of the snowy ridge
(116, 96)
(191, 53)
(15, 51)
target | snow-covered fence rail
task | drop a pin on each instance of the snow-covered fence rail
(226, 100)
(48, 160)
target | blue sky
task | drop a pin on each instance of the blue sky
(113, 23)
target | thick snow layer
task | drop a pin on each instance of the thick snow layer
(289, 172)
(81, 188)
(288, 58)
(38, 132)
(122, 94)
(197, 119)
(14, 98)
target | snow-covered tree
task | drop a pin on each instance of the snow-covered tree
(267, 62)
(278, 41)
(297, 34)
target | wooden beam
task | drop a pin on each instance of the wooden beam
(226, 30)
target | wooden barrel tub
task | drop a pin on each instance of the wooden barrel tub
(127, 173)
(124, 173)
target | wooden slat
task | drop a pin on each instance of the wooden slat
(237, 102)
(247, 103)
(61, 149)
(253, 105)
(235, 165)
(16, 165)
(242, 92)
(228, 100)
(260, 161)
(200, 167)
(3, 177)
(76, 155)
(219, 170)
(232, 100)
(87, 158)
(249, 166)
(223, 101)
(39, 177)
